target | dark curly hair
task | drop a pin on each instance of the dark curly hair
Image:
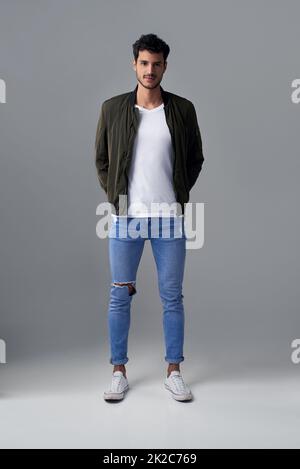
(151, 43)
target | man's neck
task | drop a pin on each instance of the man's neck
(148, 99)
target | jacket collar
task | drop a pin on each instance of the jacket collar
(133, 93)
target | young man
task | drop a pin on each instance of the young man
(149, 151)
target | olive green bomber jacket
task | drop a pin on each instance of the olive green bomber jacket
(116, 129)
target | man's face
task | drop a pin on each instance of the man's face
(149, 64)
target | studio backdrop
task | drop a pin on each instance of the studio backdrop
(238, 62)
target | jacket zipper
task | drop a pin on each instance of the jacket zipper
(128, 159)
(173, 172)
(173, 181)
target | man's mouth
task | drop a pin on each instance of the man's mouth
(149, 78)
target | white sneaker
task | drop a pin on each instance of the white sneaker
(177, 387)
(119, 385)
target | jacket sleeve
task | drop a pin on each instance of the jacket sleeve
(101, 150)
(194, 155)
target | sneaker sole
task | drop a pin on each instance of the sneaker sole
(179, 397)
(115, 396)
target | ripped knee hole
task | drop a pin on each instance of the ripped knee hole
(131, 287)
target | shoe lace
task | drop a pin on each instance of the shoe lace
(179, 383)
(116, 380)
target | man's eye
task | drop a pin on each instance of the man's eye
(144, 63)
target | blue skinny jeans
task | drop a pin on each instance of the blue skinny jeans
(168, 243)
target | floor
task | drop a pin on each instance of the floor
(58, 403)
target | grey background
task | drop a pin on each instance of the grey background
(236, 61)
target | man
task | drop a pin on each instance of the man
(148, 155)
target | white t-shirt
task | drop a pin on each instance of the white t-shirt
(150, 177)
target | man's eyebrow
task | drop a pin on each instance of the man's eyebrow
(158, 62)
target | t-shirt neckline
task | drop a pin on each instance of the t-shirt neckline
(157, 108)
